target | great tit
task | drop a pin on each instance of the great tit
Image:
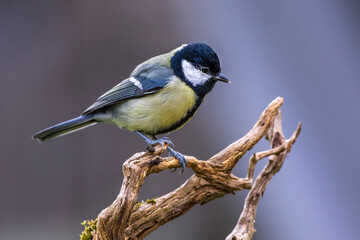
(161, 95)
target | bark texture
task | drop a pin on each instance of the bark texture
(127, 219)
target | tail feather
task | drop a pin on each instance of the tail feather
(64, 128)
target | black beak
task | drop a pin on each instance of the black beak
(221, 77)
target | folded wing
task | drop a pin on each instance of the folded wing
(133, 87)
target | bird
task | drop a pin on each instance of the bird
(160, 96)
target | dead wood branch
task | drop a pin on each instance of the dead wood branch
(244, 229)
(125, 219)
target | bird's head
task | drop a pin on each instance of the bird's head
(198, 66)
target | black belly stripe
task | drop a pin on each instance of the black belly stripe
(189, 114)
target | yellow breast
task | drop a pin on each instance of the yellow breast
(157, 112)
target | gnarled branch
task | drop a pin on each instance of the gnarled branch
(125, 219)
(244, 229)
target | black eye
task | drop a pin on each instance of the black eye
(205, 69)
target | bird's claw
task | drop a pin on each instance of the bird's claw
(154, 141)
(182, 160)
(160, 141)
(168, 141)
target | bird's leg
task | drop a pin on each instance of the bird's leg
(182, 160)
(154, 140)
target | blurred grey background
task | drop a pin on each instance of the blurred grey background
(57, 57)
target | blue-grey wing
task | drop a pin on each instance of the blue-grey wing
(133, 87)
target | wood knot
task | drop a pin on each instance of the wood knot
(277, 140)
(155, 162)
(150, 148)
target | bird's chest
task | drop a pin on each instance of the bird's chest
(159, 112)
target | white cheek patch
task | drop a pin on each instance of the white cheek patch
(194, 75)
(136, 82)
